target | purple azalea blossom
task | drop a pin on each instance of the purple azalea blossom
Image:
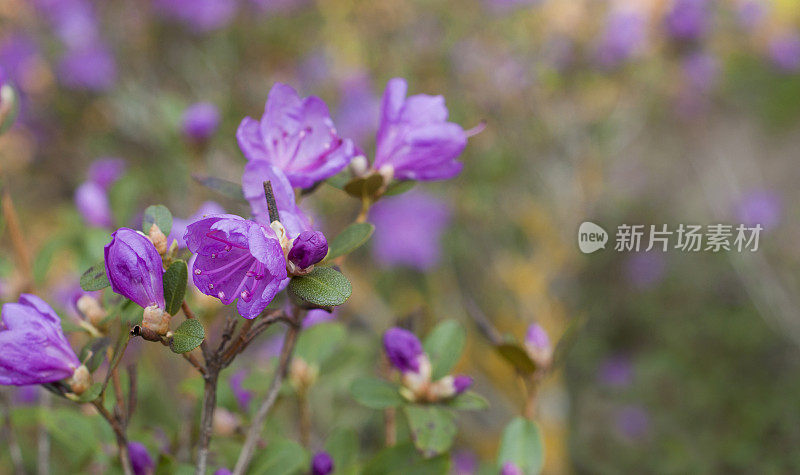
(92, 68)
(134, 268)
(616, 371)
(408, 229)
(179, 225)
(321, 464)
(200, 121)
(308, 248)
(242, 395)
(106, 171)
(19, 55)
(763, 207)
(633, 422)
(316, 316)
(92, 203)
(200, 16)
(784, 52)
(464, 463)
(510, 468)
(403, 349)
(236, 259)
(687, 19)
(622, 38)
(292, 217)
(700, 70)
(35, 350)
(751, 12)
(297, 136)
(415, 140)
(73, 21)
(141, 462)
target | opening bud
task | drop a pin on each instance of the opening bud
(537, 343)
(80, 381)
(156, 319)
(308, 248)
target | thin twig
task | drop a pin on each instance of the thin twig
(119, 433)
(253, 434)
(132, 393)
(207, 417)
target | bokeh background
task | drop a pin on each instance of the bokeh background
(637, 111)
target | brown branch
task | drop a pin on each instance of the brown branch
(132, 393)
(119, 433)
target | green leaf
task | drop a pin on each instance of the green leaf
(223, 187)
(399, 187)
(94, 353)
(353, 237)
(432, 428)
(91, 394)
(280, 457)
(175, 279)
(342, 445)
(403, 459)
(187, 337)
(375, 393)
(95, 278)
(468, 401)
(159, 215)
(317, 343)
(364, 187)
(522, 444)
(517, 356)
(323, 287)
(444, 345)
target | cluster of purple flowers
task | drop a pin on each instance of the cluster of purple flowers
(405, 353)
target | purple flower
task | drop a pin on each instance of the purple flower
(292, 217)
(92, 202)
(509, 468)
(73, 21)
(408, 229)
(403, 349)
(763, 207)
(616, 371)
(622, 38)
(316, 316)
(26, 395)
(19, 55)
(200, 16)
(134, 268)
(537, 342)
(462, 382)
(784, 51)
(141, 462)
(35, 350)
(646, 269)
(297, 136)
(687, 19)
(359, 110)
(106, 171)
(415, 141)
(179, 225)
(464, 463)
(633, 422)
(236, 259)
(321, 464)
(278, 6)
(91, 68)
(751, 12)
(242, 395)
(200, 121)
(308, 248)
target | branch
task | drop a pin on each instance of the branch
(119, 432)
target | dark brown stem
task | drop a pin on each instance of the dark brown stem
(254, 433)
(132, 393)
(207, 417)
(272, 207)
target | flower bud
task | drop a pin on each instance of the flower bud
(141, 462)
(321, 464)
(134, 268)
(448, 387)
(308, 248)
(156, 319)
(359, 165)
(302, 375)
(200, 122)
(403, 349)
(158, 239)
(538, 345)
(225, 422)
(510, 468)
(91, 310)
(80, 381)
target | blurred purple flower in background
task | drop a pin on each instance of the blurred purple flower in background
(35, 350)
(538, 345)
(700, 70)
(403, 349)
(141, 462)
(687, 19)
(92, 203)
(408, 229)
(106, 171)
(616, 371)
(751, 13)
(134, 268)
(92, 68)
(622, 38)
(321, 464)
(179, 225)
(200, 121)
(26, 395)
(359, 110)
(632, 422)
(236, 259)
(278, 6)
(200, 16)
(507, 6)
(292, 217)
(19, 56)
(509, 468)
(763, 207)
(223, 471)
(297, 136)
(784, 52)
(415, 141)
(464, 463)
(645, 269)
(314, 317)
(242, 395)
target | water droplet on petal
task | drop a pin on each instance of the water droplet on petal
(197, 272)
(221, 295)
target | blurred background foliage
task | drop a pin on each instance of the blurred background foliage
(638, 111)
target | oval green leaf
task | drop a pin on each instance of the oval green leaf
(175, 279)
(432, 428)
(353, 237)
(517, 356)
(159, 215)
(468, 401)
(323, 287)
(95, 278)
(444, 345)
(522, 444)
(223, 187)
(375, 393)
(187, 337)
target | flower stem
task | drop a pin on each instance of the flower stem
(272, 207)
(207, 419)
(119, 433)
